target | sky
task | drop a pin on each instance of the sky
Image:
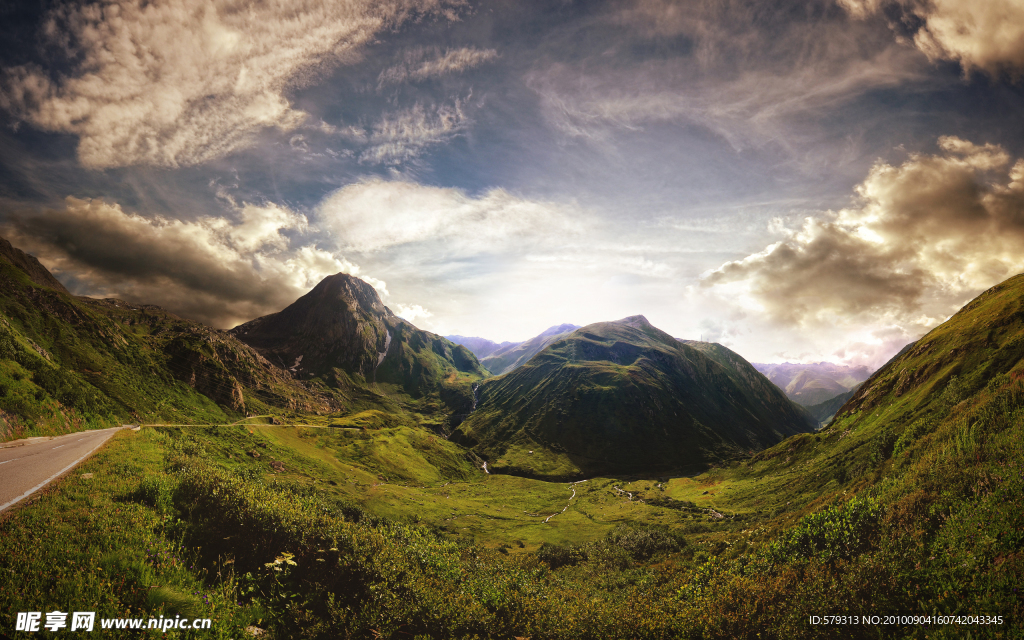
(800, 181)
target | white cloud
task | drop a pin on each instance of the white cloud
(752, 107)
(749, 75)
(985, 35)
(209, 269)
(185, 81)
(924, 237)
(410, 312)
(375, 215)
(423, 63)
(402, 136)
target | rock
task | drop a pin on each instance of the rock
(254, 453)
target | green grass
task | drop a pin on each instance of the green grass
(100, 544)
(911, 501)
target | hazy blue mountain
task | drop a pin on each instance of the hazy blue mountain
(813, 383)
(824, 411)
(481, 347)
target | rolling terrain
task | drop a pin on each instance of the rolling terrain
(368, 522)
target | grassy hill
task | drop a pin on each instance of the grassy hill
(625, 397)
(69, 363)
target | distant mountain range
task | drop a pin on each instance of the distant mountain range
(814, 383)
(620, 397)
(507, 356)
(823, 412)
(625, 397)
(481, 347)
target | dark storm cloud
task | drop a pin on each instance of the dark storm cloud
(213, 270)
(925, 236)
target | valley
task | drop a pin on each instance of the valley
(636, 485)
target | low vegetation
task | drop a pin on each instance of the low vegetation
(367, 522)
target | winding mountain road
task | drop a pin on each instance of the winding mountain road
(29, 465)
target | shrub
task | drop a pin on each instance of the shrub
(836, 533)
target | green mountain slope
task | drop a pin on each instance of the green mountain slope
(618, 397)
(342, 333)
(508, 358)
(910, 501)
(69, 363)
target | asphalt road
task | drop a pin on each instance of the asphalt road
(27, 468)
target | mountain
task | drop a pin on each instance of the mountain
(30, 267)
(481, 347)
(824, 411)
(68, 362)
(515, 355)
(813, 383)
(342, 333)
(626, 397)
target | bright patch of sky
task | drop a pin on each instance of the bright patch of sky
(799, 181)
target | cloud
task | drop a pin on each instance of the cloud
(979, 35)
(750, 75)
(185, 81)
(411, 312)
(402, 136)
(421, 63)
(924, 237)
(211, 270)
(376, 215)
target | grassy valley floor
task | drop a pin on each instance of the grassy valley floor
(391, 531)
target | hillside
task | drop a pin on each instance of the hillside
(619, 397)
(813, 383)
(70, 363)
(910, 503)
(341, 333)
(509, 358)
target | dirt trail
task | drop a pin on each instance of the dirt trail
(572, 485)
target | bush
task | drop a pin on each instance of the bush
(556, 555)
(156, 491)
(836, 533)
(641, 543)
